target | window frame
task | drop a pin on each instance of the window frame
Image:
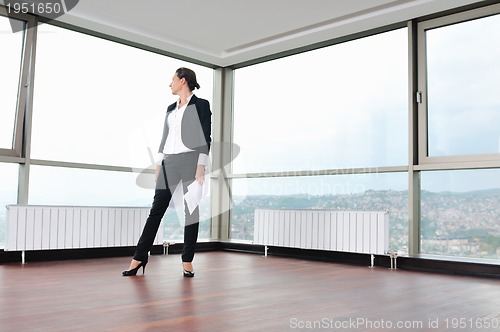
(24, 82)
(426, 162)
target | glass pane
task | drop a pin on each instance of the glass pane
(362, 192)
(8, 194)
(11, 54)
(101, 102)
(463, 75)
(460, 213)
(84, 187)
(338, 107)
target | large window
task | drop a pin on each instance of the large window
(461, 213)
(101, 102)
(357, 192)
(10, 57)
(463, 103)
(342, 106)
(459, 112)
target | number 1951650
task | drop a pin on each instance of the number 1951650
(36, 8)
(472, 323)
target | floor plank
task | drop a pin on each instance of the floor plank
(239, 292)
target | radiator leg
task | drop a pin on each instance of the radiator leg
(167, 244)
(372, 261)
(265, 251)
(393, 256)
(23, 257)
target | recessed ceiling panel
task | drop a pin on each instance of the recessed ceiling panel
(226, 32)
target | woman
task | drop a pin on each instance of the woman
(182, 158)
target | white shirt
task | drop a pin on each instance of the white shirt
(174, 144)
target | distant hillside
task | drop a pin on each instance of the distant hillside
(471, 215)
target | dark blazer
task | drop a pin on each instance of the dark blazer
(196, 125)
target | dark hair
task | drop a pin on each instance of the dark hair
(190, 77)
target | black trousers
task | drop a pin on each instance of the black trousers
(175, 168)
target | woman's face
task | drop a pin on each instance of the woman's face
(176, 84)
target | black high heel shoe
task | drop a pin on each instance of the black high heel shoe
(188, 274)
(133, 271)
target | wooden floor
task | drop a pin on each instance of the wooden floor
(240, 292)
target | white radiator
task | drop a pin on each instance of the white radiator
(36, 227)
(352, 231)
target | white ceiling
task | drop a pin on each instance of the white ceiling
(227, 32)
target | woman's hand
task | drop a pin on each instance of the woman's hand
(200, 174)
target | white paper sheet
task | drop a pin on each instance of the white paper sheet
(194, 195)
